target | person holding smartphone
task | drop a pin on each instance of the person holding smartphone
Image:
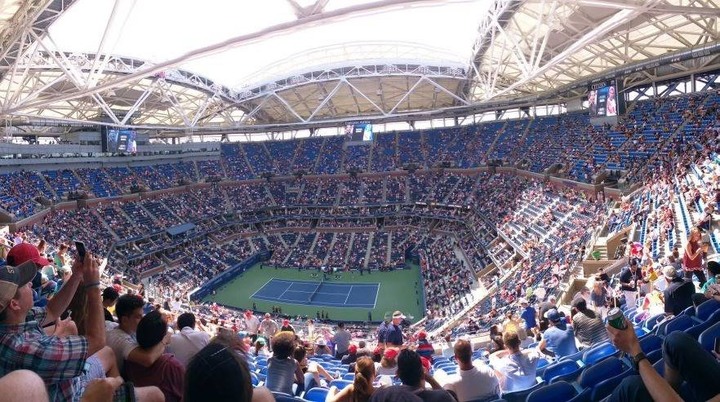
(685, 360)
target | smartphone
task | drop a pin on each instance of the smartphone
(717, 345)
(80, 247)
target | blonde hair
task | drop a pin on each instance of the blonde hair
(362, 384)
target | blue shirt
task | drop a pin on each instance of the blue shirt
(382, 330)
(560, 339)
(529, 316)
(394, 335)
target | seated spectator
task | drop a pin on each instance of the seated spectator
(472, 382)
(516, 369)
(559, 339)
(685, 360)
(388, 363)
(67, 364)
(166, 372)
(413, 375)
(713, 268)
(321, 347)
(283, 370)
(424, 348)
(362, 387)
(311, 370)
(678, 293)
(351, 357)
(109, 298)
(128, 310)
(237, 341)
(588, 326)
(187, 341)
(218, 374)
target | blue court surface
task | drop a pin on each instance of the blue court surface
(358, 295)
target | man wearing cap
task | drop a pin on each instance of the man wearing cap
(559, 339)
(678, 293)
(186, 343)
(66, 364)
(351, 357)
(588, 326)
(394, 334)
(544, 307)
(28, 252)
(341, 339)
(251, 325)
(109, 297)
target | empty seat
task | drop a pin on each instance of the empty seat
(706, 309)
(679, 323)
(560, 391)
(520, 396)
(562, 370)
(316, 394)
(599, 352)
(605, 388)
(340, 384)
(601, 371)
(707, 337)
(650, 343)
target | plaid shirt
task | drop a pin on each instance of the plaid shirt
(58, 361)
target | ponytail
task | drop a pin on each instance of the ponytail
(362, 388)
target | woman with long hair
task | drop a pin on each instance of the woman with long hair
(361, 389)
(692, 259)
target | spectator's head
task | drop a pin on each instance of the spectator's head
(463, 351)
(217, 373)
(422, 336)
(523, 302)
(109, 296)
(397, 317)
(231, 339)
(409, 368)
(341, 325)
(151, 330)
(378, 353)
(579, 304)
(713, 267)
(511, 340)
(669, 273)
(26, 252)
(352, 350)
(16, 297)
(299, 353)
(186, 320)
(553, 316)
(283, 344)
(364, 377)
(389, 359)
(129, 312)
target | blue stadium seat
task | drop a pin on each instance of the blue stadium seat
(650, 343)
(316, 394)
(562, 370)
(349, 376)
(520, 396)
(254, 379)
(679, 323)
(707, 308)
(655, 355)
(659, 366)
(280, 397)
(605, 388)
(560, 391)
(583, 396)
(707, 337)
(601, 371)
(340, 384)
(598, 352)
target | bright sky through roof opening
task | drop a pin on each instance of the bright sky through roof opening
(159, 30)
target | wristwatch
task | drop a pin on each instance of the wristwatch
(637, 359)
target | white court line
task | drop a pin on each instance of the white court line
(261, 288)
(377, 292)
(285, 291)
(348, 294)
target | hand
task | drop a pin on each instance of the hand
(101, 390)
(77, 268)
(625, 339)
(91, 273)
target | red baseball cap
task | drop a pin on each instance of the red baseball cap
(26, 252)
(352, 349)
(422, 335)
(390, 353)
(425, 363)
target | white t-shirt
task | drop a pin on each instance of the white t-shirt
(122, 344)
(480, 382)
(251, 325)
(186, 343)
(519, 370)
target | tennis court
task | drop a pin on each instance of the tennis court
(325, 294)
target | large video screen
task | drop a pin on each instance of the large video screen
(120, 141)
(602, 101)
(359, 131)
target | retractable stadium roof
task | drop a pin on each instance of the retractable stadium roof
(174, 66)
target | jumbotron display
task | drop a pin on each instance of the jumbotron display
(359, 131)
(119, 141)
(602, 100)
